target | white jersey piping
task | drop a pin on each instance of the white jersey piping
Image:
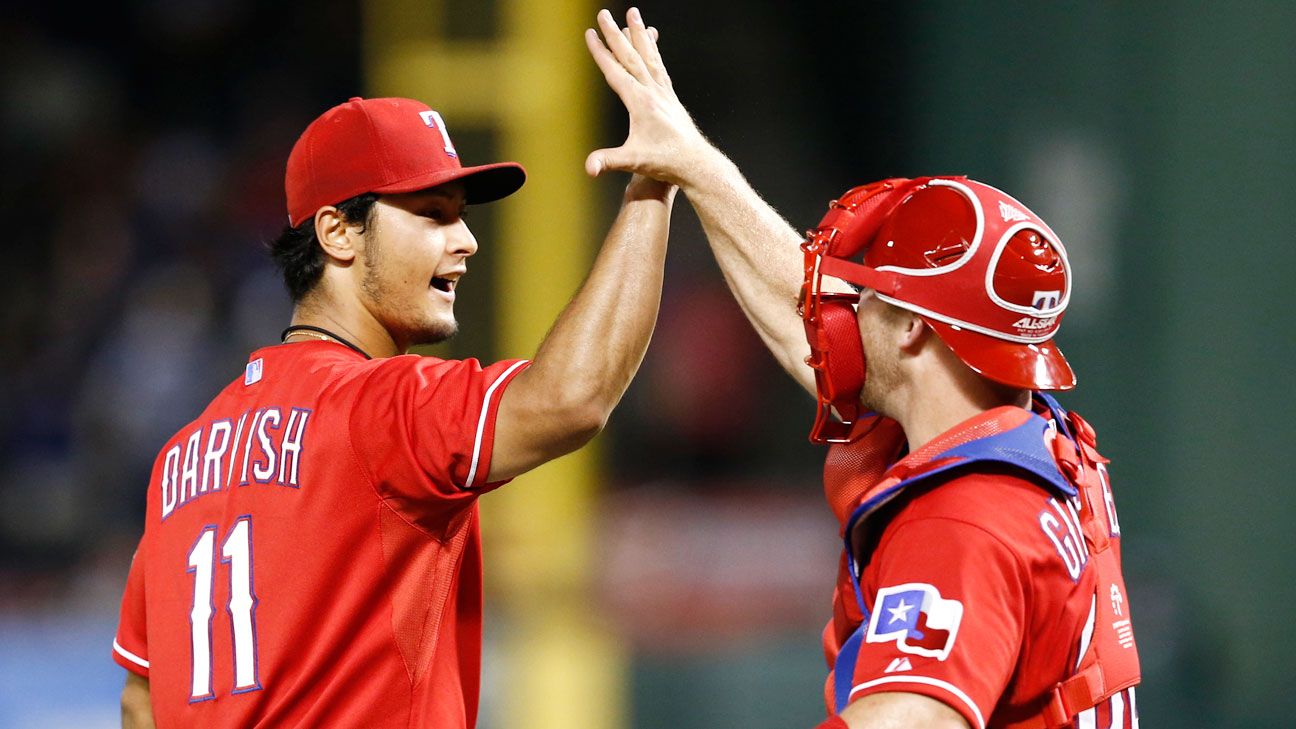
(954, 690)
(128, 655)
(481, 420)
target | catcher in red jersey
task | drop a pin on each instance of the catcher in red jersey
(311, 554)
(980, 581)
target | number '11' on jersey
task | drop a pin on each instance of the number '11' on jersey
(236, 552)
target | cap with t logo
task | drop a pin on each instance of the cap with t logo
(388, 145)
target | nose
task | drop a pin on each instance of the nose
(460, 240)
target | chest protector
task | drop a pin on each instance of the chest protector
(867, 473)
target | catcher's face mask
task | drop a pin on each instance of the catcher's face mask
(983, 271)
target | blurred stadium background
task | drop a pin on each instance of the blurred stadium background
(678, 573)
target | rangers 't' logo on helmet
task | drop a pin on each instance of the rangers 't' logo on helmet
(1045, 300)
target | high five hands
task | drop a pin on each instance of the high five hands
(663, 142)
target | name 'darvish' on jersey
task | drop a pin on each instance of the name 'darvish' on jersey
(262, 447)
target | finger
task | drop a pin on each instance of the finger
(611, 158)
(646, 47)
(613, 72)
(621, 48)
(652, 32)
(618, 42)
(594, 164)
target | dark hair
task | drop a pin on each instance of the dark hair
(297, 253)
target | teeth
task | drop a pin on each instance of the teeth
(446, 283)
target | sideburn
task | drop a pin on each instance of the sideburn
(372, 254)
(881, 358)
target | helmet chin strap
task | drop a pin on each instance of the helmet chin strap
(882, 282)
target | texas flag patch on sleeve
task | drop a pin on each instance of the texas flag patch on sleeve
(916, 618)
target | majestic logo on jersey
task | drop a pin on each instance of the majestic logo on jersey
(916, 618)
(899, 664)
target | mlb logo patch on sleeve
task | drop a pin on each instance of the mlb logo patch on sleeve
(253, 372)
(916, 618)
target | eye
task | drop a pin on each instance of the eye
(434, 213)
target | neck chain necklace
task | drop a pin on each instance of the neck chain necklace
(320, 334)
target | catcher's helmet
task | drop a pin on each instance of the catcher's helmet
(982, 270)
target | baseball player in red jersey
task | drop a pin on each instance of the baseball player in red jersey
(980, 582)
(311, 554)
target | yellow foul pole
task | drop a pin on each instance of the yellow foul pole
(531, 83)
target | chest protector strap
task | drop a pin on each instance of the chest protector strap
(1067, 463)
(1109, 663)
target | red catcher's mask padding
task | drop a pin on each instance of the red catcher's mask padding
(836, 353)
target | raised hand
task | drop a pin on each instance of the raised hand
(663, 142)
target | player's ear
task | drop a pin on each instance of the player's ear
(336, 236)
(911, 330)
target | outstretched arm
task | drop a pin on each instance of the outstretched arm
(758, 251)
(587, 360)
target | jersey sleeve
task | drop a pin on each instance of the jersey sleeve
(424, 427)
(130, 645)
(947, 616)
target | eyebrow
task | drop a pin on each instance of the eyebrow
(445, 197)
(439, 197)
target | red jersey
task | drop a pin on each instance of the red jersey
(311, 553)
(976, 586)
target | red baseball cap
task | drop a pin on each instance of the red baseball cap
(386, 145)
